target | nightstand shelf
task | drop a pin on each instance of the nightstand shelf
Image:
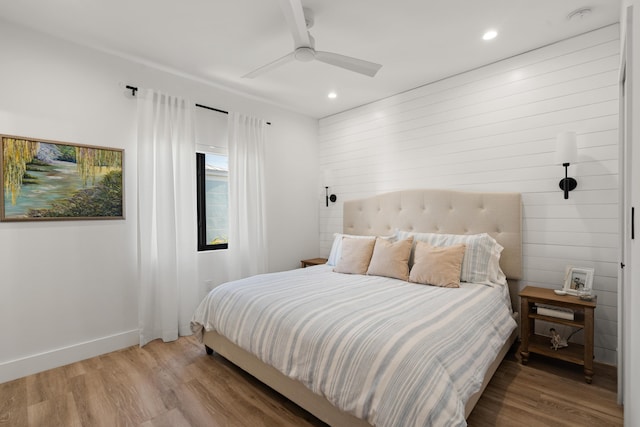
(312, 261)
(540, 344)
(577, 322)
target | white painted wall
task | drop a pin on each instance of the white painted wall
(630, 337)
(493, 129)
(68, 290)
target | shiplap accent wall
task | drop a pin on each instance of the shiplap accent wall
(494, 129)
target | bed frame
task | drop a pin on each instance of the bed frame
(435, 211)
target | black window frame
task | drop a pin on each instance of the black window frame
(202, 207)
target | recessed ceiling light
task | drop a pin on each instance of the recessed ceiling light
(332, 95)
(490, 35)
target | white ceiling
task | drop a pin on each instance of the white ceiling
(417, 41)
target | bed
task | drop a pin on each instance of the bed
(365, 349)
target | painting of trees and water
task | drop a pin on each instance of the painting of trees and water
(46, 180)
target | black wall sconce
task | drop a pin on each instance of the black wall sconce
(567, 153)
(328, 197)
(328, 181)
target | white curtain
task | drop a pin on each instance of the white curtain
(167, 224)
(247, 222)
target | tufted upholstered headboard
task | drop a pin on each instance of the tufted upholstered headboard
(443, 211)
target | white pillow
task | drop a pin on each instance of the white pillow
(481, 262)
(336, 247)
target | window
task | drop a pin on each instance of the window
(213, 200)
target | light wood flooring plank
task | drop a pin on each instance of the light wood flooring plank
(173, 418)
(92, 402)
(59, 410)
(13, 403)
(177, 384)
(547, 392)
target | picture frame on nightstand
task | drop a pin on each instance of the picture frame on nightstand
(578, 280)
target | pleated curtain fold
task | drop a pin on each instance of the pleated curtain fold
(167, 226)
(247, 212)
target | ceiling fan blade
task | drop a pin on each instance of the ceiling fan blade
(255, 73)
(294, 15)
(358, 65)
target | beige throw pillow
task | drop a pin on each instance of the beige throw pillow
(391, 259)
(437, 265)
(356, 254)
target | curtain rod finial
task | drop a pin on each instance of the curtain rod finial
(133, 89)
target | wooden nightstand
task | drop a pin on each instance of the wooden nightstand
(583, 318)
(313, 261)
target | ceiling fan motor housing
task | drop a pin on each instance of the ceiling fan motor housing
(305, 54)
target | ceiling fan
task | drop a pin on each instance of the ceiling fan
(299, 21)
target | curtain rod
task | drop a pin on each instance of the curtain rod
(134, 89)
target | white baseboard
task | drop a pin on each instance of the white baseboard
(19, 368)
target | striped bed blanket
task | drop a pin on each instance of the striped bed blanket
(390, 352)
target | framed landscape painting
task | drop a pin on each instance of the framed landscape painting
(49, 180)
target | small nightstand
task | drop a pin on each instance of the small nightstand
(313, 261)
(583, 318)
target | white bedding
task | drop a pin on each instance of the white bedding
(390, 352)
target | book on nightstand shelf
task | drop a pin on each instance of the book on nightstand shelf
(553, 311)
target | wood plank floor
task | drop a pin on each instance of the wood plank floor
(176, 384)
